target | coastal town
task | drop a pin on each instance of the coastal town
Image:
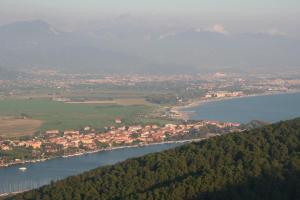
(54, 143)
(152, 108)
(172, 93)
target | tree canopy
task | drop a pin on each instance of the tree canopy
(261, 163)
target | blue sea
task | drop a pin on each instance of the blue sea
(271, 108)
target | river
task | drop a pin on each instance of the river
(38, 174)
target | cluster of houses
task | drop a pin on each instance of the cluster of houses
(222, 94)
(114, 136)
(53, 141)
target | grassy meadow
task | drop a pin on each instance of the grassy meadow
(59, 115)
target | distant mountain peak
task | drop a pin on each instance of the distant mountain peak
(32, 27)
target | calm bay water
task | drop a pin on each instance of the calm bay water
(271, 108)
(38, 174)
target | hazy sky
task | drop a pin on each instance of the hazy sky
(95, 7)
(235, 14)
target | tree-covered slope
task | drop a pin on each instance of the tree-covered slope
(258, 164)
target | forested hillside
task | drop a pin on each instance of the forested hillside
(258, 164)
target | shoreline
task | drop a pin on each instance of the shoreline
(186, 115)
(179, 110)
(100, 150)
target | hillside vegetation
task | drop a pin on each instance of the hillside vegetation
(258, 164)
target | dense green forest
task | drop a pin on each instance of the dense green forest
(262, 163)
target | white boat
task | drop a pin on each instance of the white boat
(23, 169)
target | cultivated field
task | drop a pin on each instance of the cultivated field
(118, 101)
(13, 127)
(132, 101)
(43, 114)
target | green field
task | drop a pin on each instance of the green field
(59, 115)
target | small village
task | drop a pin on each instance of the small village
(55, 143)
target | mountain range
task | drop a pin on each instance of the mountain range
(124, 47)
